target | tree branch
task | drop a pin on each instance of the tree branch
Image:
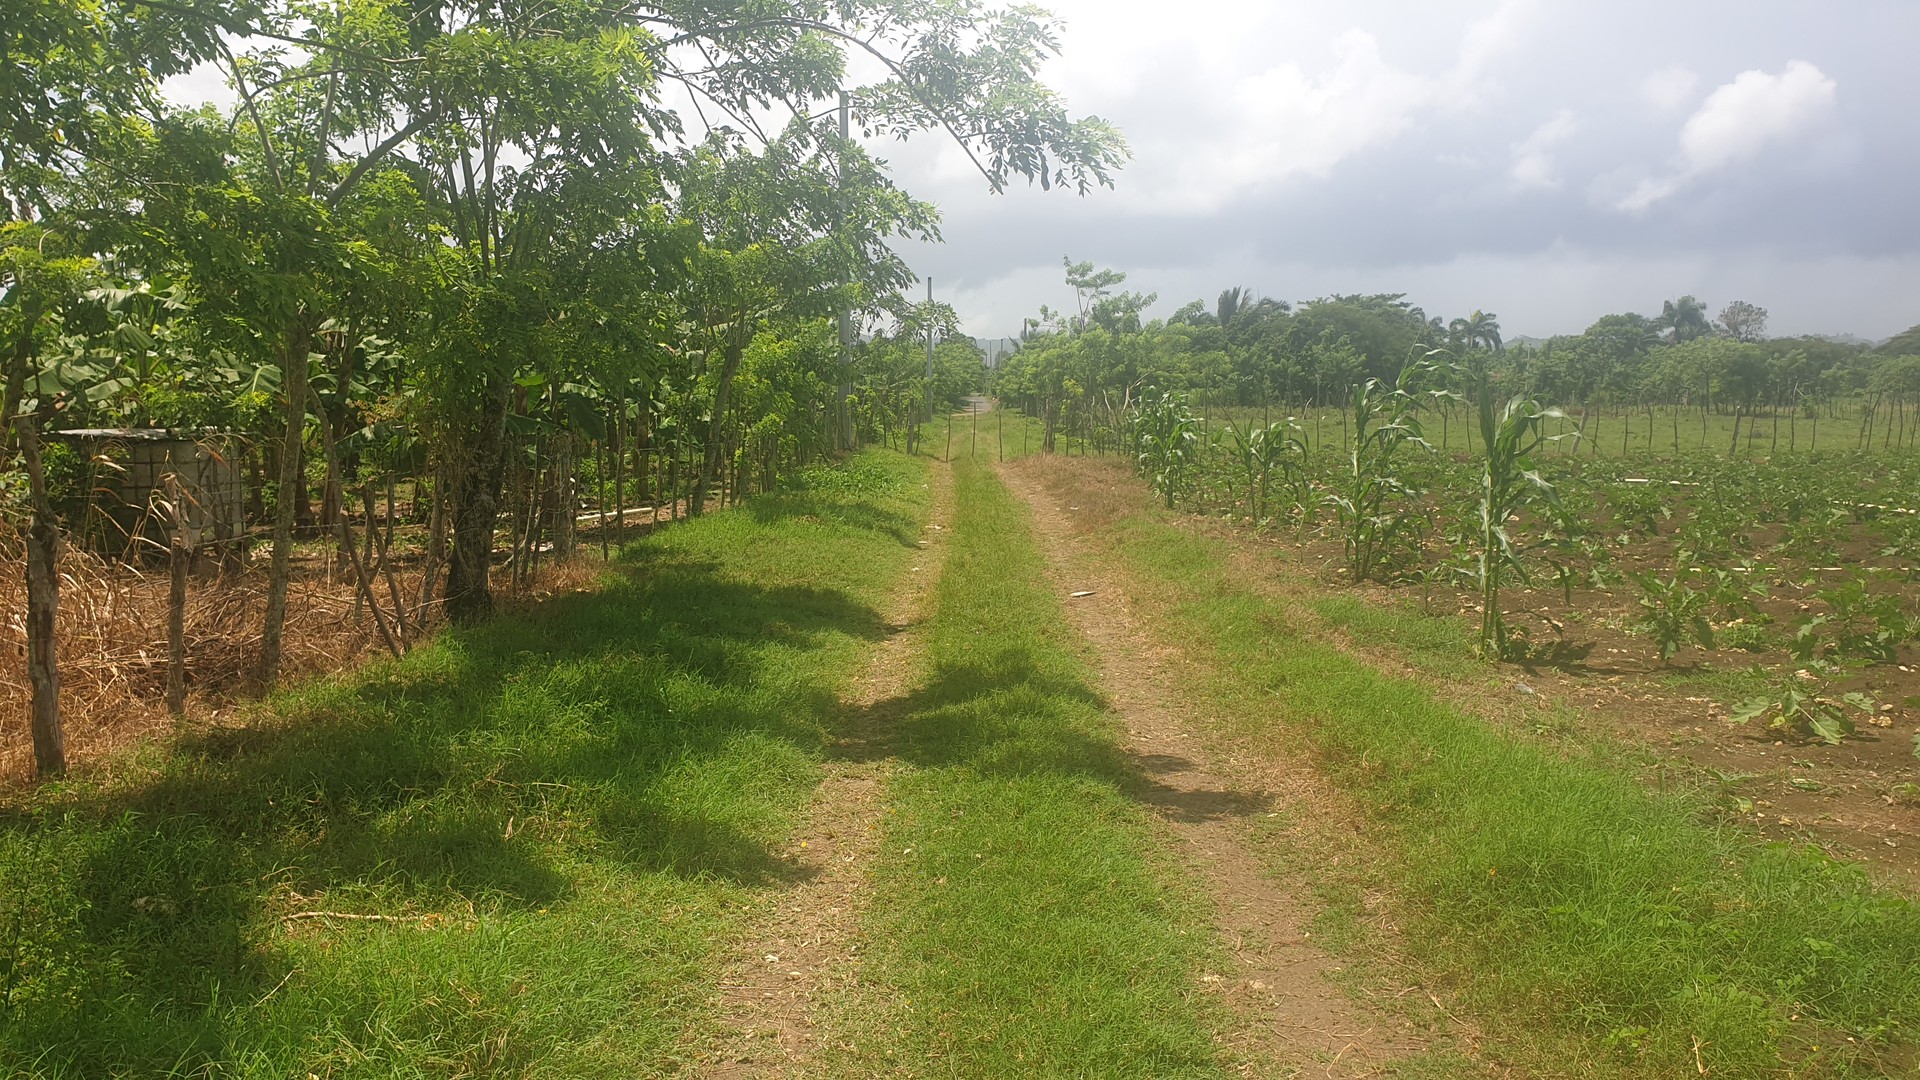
(386, 147)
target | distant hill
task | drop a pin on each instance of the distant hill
(1904, 343)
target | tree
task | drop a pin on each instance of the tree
(38, 278)
(1478, 331)
(1232, 303)
(1743, 321)
(1684, 319)
(1904, 343)
(1091, 286)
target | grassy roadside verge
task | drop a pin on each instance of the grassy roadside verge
(1022, 922)
(513, 853)
(1554, 893)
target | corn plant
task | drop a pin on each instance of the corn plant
(1376, 512)
(1259, 453)
(1510, 434)
(1166, 437)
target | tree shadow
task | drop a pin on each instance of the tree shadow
(1009, 714)
(862, 515)
(478, 771)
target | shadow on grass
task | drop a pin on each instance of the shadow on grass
(647, 725)
(1008, 715)
(864, 516)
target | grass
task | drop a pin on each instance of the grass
(1024, 921)
(555, 821)
(1441, 644)
(1551, 891)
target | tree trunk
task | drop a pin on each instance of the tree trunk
(43, 602)
(476, 506)
(716, 429)
(343, 533)
(564, 503)
(293, 364)
(436, 543)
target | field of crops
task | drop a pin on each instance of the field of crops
(1759, 610)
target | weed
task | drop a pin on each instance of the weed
(1857, 625)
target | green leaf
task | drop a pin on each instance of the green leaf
(1831, 729)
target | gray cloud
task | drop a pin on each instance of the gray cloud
(1550, 161)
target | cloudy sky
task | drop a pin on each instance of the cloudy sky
(1547, 161)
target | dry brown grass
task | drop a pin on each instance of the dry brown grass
(112, 639)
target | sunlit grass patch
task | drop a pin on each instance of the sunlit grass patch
(515, 852)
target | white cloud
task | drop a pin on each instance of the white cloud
(1739, 121)
(1533, 166)
(1669, 88)
(1285, 121)
(1741, 118)
(205, 84)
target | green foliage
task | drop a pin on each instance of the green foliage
(1673, 613)
(1166, 438)
(1375, 510)
(1261, 452)
(1510, 486)
(505, 799)
(1798, 705)
(1858, 625)
(1535, 876)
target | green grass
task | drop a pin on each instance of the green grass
(1554, 893)
(1024, 921)
(1441, 644)
(564, 813)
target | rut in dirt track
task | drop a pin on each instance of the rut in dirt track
(1290, 1017)
(804, 949)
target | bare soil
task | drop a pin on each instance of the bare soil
(803, 946)
(1595, 678)
(1849, 799)
(112, 637)
(1294, 1018)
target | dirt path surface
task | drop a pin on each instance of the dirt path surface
(1294, 1021)
(805, 946)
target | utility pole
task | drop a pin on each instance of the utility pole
(929, 350)
(844, 417)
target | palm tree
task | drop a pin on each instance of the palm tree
(1232, 302)
(1483, 331)
(1686, 318)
